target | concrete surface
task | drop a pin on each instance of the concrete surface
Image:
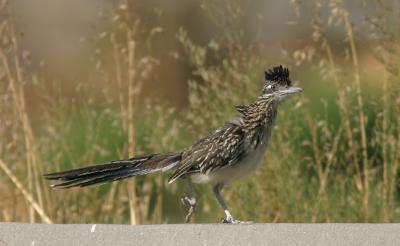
(205, 234)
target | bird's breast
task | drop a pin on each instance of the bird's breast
(242, 168)
(255, 146)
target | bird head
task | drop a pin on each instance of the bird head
(278, 84)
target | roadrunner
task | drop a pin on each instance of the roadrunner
(230, 153)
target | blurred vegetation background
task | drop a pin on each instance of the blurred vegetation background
(84, 82)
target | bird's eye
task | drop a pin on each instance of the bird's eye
(271, 87)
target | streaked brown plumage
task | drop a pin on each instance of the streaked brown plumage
(231, 152)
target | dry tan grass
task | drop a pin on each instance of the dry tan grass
(28, 196)
(320, 168)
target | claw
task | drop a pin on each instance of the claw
(191, 203)
(232, 221)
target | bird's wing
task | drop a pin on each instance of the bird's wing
(222, 148)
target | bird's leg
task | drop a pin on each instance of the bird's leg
(217, 192)
(190, 200)
(229, 218)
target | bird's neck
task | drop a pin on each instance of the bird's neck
(260, 112)
(258, 119)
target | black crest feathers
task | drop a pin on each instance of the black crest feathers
(278, 74)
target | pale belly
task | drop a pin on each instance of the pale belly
(237, 171)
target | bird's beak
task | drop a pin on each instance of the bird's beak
(283, 94)
(292, 90)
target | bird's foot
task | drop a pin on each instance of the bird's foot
(191, 203)
(232, 221)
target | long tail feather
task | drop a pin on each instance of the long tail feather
(115, 170)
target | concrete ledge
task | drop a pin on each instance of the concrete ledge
(196, 234)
